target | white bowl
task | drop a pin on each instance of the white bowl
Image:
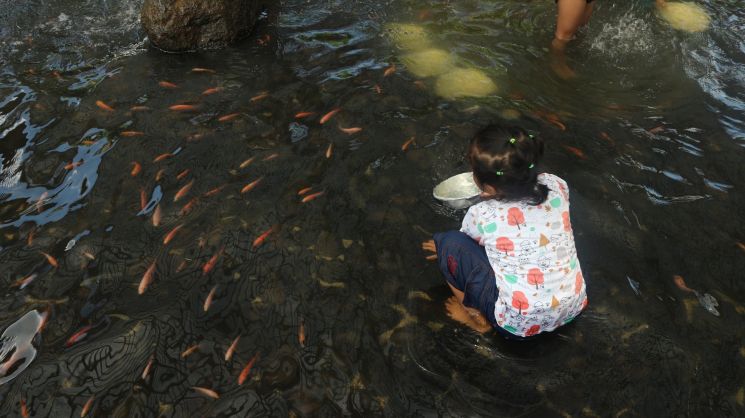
(458, 192)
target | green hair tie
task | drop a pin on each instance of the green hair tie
(513, 140)
(500, 173)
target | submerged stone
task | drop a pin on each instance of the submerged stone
(465, 82)
(183, 25)
(689, 17)
(407, 35)
(428, 63)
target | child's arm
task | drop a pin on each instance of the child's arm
(470, 226)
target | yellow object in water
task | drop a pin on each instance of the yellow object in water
(686, 16)
(465, 82)
(428, 63)
(407, 35)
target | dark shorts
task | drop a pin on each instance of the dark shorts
(466, 267)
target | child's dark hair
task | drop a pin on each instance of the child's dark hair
(506, 158)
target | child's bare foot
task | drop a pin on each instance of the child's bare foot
(461, 314)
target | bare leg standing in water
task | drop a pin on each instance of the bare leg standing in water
(572, 15)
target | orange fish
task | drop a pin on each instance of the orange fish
(214, 191)
(389, 71)
(130, 134)
(157, 215)
(741, 245)
(247, 162)
(88, 255)
(261, 96)
(607, 137)
(22, 283)
(139, 108)
(143, 199)
(329, 115)
(554, 120)
(576, 151)
(231, 349)
(270, 157)
(167, 85)
(162, 157)
(147, 278)
(104, 106)
(183, 191)
(202, 70)
(304, 191)
(311, 197)
(73, 165)
(210, 264)
(678, 280)
(211, 91)
(260, 240)
(206, 392)
(51, 260)
(182, 174)
(228, 118)
(194, 137)
(40, 202)
(377, 89)
(210, 296)
(303, 115)
(301, 333)
(183, 108)
(657, 129)
(136, 168)
(146, 371)
(159, 175)
(30, 238)
(181, 266)
(189, 351)
(246, 370)
(264, 40)
(24, 409)
(169, 237)
(407, 144)
(350, 131)
(189, 206)
(78, 335)
(330, 150)
(87, 406)
(250, 186)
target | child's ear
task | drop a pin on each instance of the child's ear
(488, 192)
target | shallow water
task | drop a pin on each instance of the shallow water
(652, 148)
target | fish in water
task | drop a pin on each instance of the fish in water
(206, 392)
(634, 285)
(228, 118)
(189, 351)
(24, 409)
(183, 108)
(270, 157)
(130, 134)
(182, 174)
(301, 333)
(329, 115)
(303, 115)
(147, 278)
(576, 151)
(407, 144)
(311, 197)
(189, 206)
(143, 199)
(350, 131)
(79, 335)
(210, 264)
(231, 350)
(211, 91)
(247, 163)
(214, 191)
(169, 237)
(104, 106)
(261, 238)
(51, 260)
(202, 70)
(304, 191)
(22, 283)
(162, 157)
(247, 369)
(210, 297)
(73, 165)
(377, 89)
(678, 280)
(330, 150)
(250, 186)
(139, 108)
(159, 175)
(167, 85)
(87, 407)
(183, 191)
(136, 168)
(261, 96)
(148, 367)
(389, 71)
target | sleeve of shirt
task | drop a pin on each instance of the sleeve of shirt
(470, 225)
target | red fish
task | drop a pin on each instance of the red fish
(146, 371)
(250, 186)
(389, 71)
(330, 150)
(189, 206)
(312, 197)
(78, 335)
(678, 280)
(261, 96)
(183, 108)
(607, 137)
(304, 191)
(260, 240)
(247, 162)
(182, 174)
(329, 115)
(576, 151)
(169, 237)
(246, 370)
(350, 131)
(139, 108)
(301, 333)
(202, 70)
(157, 215)
(211, 91)
(143, 199)
(210, 264)
(407, 144)
(24, 409)
(228, 118)
(741, 245)
(159, 175)
(206, 392)
(183, 191)
(51, 260)
(22, 283)
(136, 168)
(270, 157)
(210, 297)
(231, 350)
(377, 89)
(147, 278)
(303, 115)
(214, 191)
(167, 85)
(189, 351)
(104, 106)
(73, 165)
(162, 157)
(30, 238)
(130, 134)
(87, 406)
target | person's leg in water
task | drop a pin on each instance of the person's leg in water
(571, 15)
(465, 266)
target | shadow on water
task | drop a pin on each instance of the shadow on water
(303, 238)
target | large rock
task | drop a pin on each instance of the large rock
(183, 25)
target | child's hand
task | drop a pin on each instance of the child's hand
(431, 247)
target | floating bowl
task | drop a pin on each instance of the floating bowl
(458, 192)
